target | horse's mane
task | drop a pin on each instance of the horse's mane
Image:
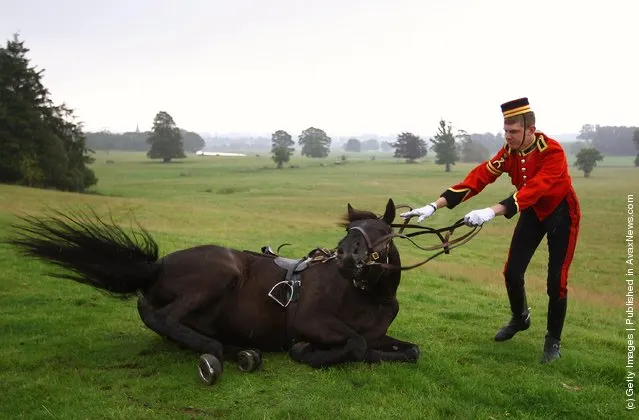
(354, 215)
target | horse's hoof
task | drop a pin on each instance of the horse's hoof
(249, 360)
(210, 368)
(413, 353)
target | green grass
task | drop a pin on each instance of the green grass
(68, 351)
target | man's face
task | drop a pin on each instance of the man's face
(514, 135)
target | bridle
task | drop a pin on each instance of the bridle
(444, 234)
(376, 251)
(373, 250)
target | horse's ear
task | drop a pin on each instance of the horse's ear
(351, 212)
(389, 215)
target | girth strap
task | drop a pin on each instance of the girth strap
(287, 292)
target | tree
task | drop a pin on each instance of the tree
(409, 147)
(490, 141)
(587, 159)
(40, 143)
(471, 151)
(444, 146)
(353, 145)
(613, 140)
(587, 133)
(281, 147)
(574, 147)
(166, 139)
(370, 145)
(136, 140)
(635, 139)
(386, 146)
(315, 143)
(192, 142)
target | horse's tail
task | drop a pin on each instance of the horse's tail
(93, 252)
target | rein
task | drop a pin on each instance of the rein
(443, 234)
(446, 245)
(375, 249)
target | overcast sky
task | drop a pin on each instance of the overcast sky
(345, 66)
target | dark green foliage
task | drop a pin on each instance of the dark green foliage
(353, 145)
(281, 149)
(135, 140)
(315, 143)
(444, 146)
(587, 159)
(191, 142)
(409, 147)
(166, 139)
(40, 144)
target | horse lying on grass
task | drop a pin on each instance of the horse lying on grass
(328, 308)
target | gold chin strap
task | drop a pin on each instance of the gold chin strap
(523, 137)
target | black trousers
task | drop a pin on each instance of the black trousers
(561, 229)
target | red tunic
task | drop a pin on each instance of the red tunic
(540, 174)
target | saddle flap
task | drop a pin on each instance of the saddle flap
(288, 264)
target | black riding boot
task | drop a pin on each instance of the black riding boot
(555, 324)
(520, 319)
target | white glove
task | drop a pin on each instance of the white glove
(479, 217)
(422, 212)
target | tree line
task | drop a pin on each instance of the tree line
(137, 141)
(316, 144)
(42, 145)
(448, 147)
(609, 140)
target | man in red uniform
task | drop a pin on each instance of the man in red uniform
(548, 206)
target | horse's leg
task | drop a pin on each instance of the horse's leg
(387, 348)
(194, 290)
(167, 326)
(328, 341)
(316, 357)
(231, 352)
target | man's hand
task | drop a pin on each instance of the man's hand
(422, 212)
(479, 217)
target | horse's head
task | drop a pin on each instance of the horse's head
(367, 244)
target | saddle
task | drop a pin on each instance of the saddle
(288, 290)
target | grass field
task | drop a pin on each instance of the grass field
(68, 351)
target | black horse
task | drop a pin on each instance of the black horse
(330, 307)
